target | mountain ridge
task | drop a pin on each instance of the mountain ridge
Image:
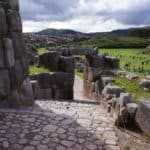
(137, 32)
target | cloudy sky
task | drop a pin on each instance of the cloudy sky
(84, 15)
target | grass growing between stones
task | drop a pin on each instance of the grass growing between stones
(132, 87)
(37, 70)
(79, 74)
(42, 50)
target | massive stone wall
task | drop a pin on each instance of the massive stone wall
(15, 87)
(54, 86)
(95, 67)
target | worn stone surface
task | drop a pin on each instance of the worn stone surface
(67, 64)
(9, 52)
(14, 21)
(12, 4)
(49, 60)
(57, 125)
(2, 63)
(145, 83)
(113, 90)
(3, 24)
(4, 83)
(143, 116)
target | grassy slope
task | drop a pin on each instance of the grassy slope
(126, 56)
(115, 42)
(132, 87)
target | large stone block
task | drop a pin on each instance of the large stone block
(2, 63)
(124, 99)
(143, 116)
(12, 4)
(96, 61)
(45, 94)
(16, 75)
(145, 83)
(93, 74)
(62, 80)
(9, 52)
(36, 89)
(22, 96)
(67, 64)
(25, 66)
(112, 90)
(63, 93)
(14, 21)
(45, 80)
(26, 93)
(49, 60)
(63, 85)
(112, 63)
(4, 84)
(18, 44)
(3, 24)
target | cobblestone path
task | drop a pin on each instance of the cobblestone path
(56, 125)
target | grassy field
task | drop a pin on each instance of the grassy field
(134, 58)
(37, 70)
(138, 63)
(42, 50)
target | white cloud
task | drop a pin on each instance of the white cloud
(84, 15)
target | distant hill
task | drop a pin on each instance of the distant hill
(143, 32)
(61, 32)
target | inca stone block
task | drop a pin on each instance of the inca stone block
(9, 52)
(26, 93)
(67, 64)
(3, 24)
(143, 116)
(36, 89)
(13, 99)
(45, 93)
(2, 64)
(16, 74)
(96, 61)
(63, 93)
(25, 66)
(18, 44)
(93, 73)
(4, 84)
(45, 80)
(14, 21)
(49, 60)
(112, 90)
(12, 4)
(62, 80)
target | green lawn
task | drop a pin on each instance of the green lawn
(37, 70)
(42, 50)
(132, 87)
(134, 57)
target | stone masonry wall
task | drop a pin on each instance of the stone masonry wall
(95, 67)
(15, 87)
